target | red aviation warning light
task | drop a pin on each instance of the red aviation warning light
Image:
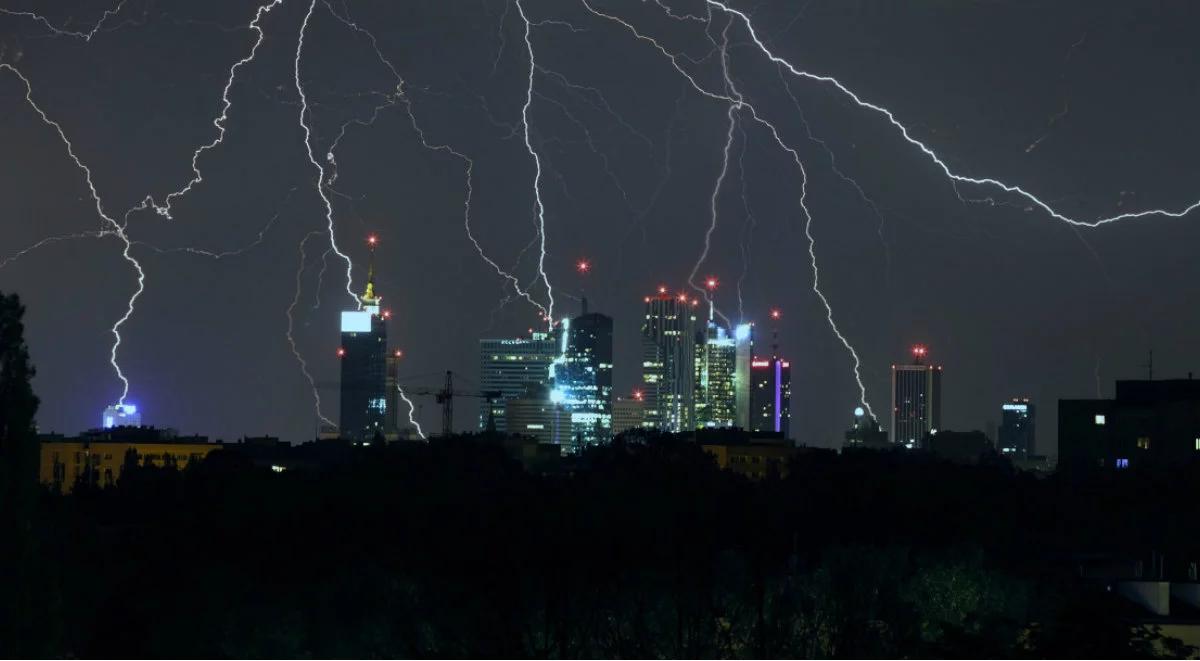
(583, 266)
(387, 314)
(919, 351)
(776, 314)
(398, 353)
(341, 352)
(372, 240)
(662, 289)
(637, 394)
(710, 283)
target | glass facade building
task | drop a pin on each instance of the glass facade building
(916, 401)
(511, 366)
(1015, 438)
(668, 362)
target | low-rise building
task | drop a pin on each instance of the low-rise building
(96, 457)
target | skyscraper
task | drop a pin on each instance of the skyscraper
(716, 379)
(582, 377)
(1015, 438)
(510, 366)
(668, 361)
(771, 395)
(743, 339)
(916, 400)
(364, 357)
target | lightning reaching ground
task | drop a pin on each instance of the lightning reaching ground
(291, 324)
(411, 410)
(117, 229)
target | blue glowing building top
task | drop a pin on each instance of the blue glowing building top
(121, 415)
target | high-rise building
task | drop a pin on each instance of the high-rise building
(628, 413)
(510, 366)
(668, 361)
(865, 434)
(743, 339)
(533, 414)
(716, 377)
(121, 415)
(771, 395)
(581, 377)
(916, 400)
(1015, 438)
(364, 358)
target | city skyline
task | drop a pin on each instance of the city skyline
(1012, 300)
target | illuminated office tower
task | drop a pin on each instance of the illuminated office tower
(510, 366)
(364, 358)
(743, 339)
(668, 361)
(716, 366)
(121, 415)
(582, 377)
(916, 400)
(1016, 429)
(771, 395)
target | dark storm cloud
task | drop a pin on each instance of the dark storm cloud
(1011, 301)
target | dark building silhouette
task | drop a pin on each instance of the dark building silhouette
(1015, 438)
(960, 447)
(916, 400)
(865, 433)
(771, 396)
(364, 363)
(1148, 423)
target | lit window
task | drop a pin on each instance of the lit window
(1122, 463)
(1099, 418)
(1143, 443)
(1198, 444)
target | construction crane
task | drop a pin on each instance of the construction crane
(445, 396)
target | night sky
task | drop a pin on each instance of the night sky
(1089, 105)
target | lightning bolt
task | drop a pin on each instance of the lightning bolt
(732, 113)
(117, 230)
(321, 183)
(164, 208)
(291, 323)
(537, 162)
(808, 218)
(96, 234)
(411, 409)
(468, 162)
(932, 155)
(61, 32)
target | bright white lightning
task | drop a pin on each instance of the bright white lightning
(674, 60)
(291, 326)
(164, 208)
(732, 113)
(95, 234)
(312, 158)
(86, 36)
(954, 177)
(537, 162)
(468, 162)
(117, 230)
(412, 420)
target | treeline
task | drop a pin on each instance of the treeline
(644, 550)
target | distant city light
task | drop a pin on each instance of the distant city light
(557, 395)
(742, 332)
(859, 412)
